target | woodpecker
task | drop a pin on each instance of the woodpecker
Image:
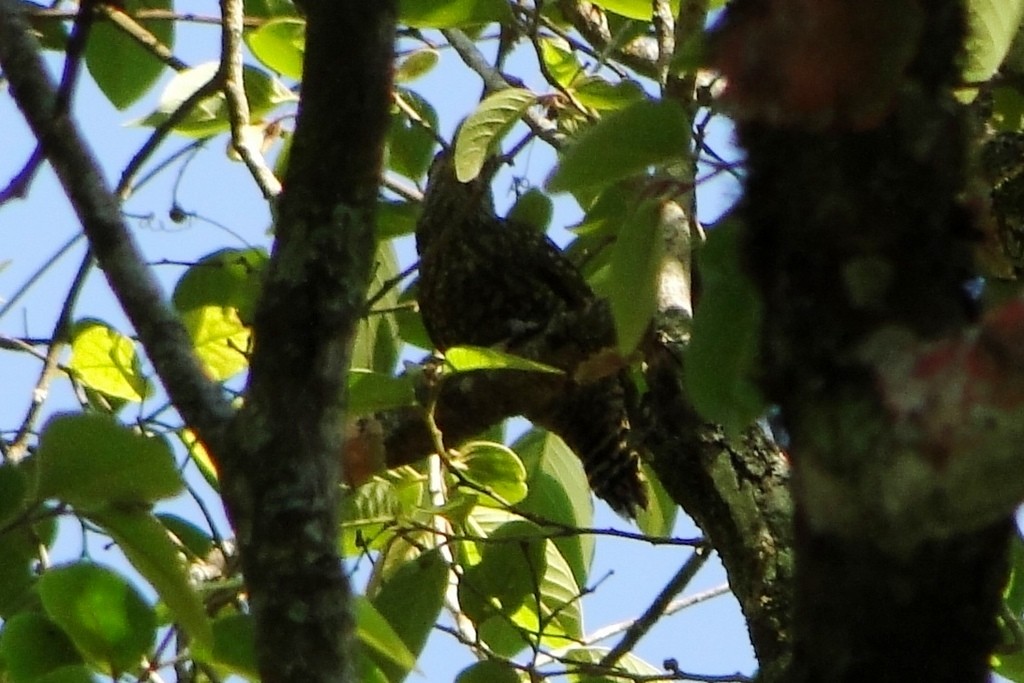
(485, 281)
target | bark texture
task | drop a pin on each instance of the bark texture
(280, 475)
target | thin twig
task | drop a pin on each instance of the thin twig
(141, 35)
(494, 81)
(238, 105)
(149, 15)
(127, 185)
(167, 343)
(646, 621)
(59, 339)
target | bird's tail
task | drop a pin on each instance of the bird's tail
(594, 423)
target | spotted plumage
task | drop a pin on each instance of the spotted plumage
(484, 280)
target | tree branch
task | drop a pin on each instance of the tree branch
(280, 478)
(167, 344)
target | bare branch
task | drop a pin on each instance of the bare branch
(232, 81)
(166, 342)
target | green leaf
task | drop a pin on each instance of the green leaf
(75, 673)
(376, 344)
(509, 613)
(992, 24)
(628, 664)
(560, 61)
(1007, 109)
(220, 338)
(22, 546)
(210, 115)
(488, 671)
(106, 618)
(410, 143)
(374, 631)
(193, 539)
(596, 92)
(122, 68)
(13, 491)
(496, 468)
(395, 219)
(370, 392)
(105, 360)
(32, 646)
(659, 518)
(89, 459)
(533, 208)
(558, 490)
(635, 265)
(485, 127)
(234, 645)
(366, 517)
(266, 9)
(228, 277)
(280, 45)
(418, 64)
(469, 358)
(622, 144)
(634, 9)
(452, 13)
(722, 357)
(411, 600)
(144, 541)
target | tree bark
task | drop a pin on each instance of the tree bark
(280, 476)
(855, 227)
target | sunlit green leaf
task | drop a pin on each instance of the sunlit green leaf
(73, 673)
(122, 68)
(485, 127)
(31, 646)
(634, 9)
(559, 491)
(89, 459)
(366, 517)
(488, 671)
(411, 600)
(144, 541)
(992, 24)
(470, 358)
(269, 8)
(228, 277)
(101, 612)
(560, 61)
(452, 13)
(721, 359)
(659, 517)
(374, 631)
(105, 360)
(628, 664)
(635, 265)
(220, 338)
(417, 64)
(280, 45)
(495, 468)
(622, 144)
